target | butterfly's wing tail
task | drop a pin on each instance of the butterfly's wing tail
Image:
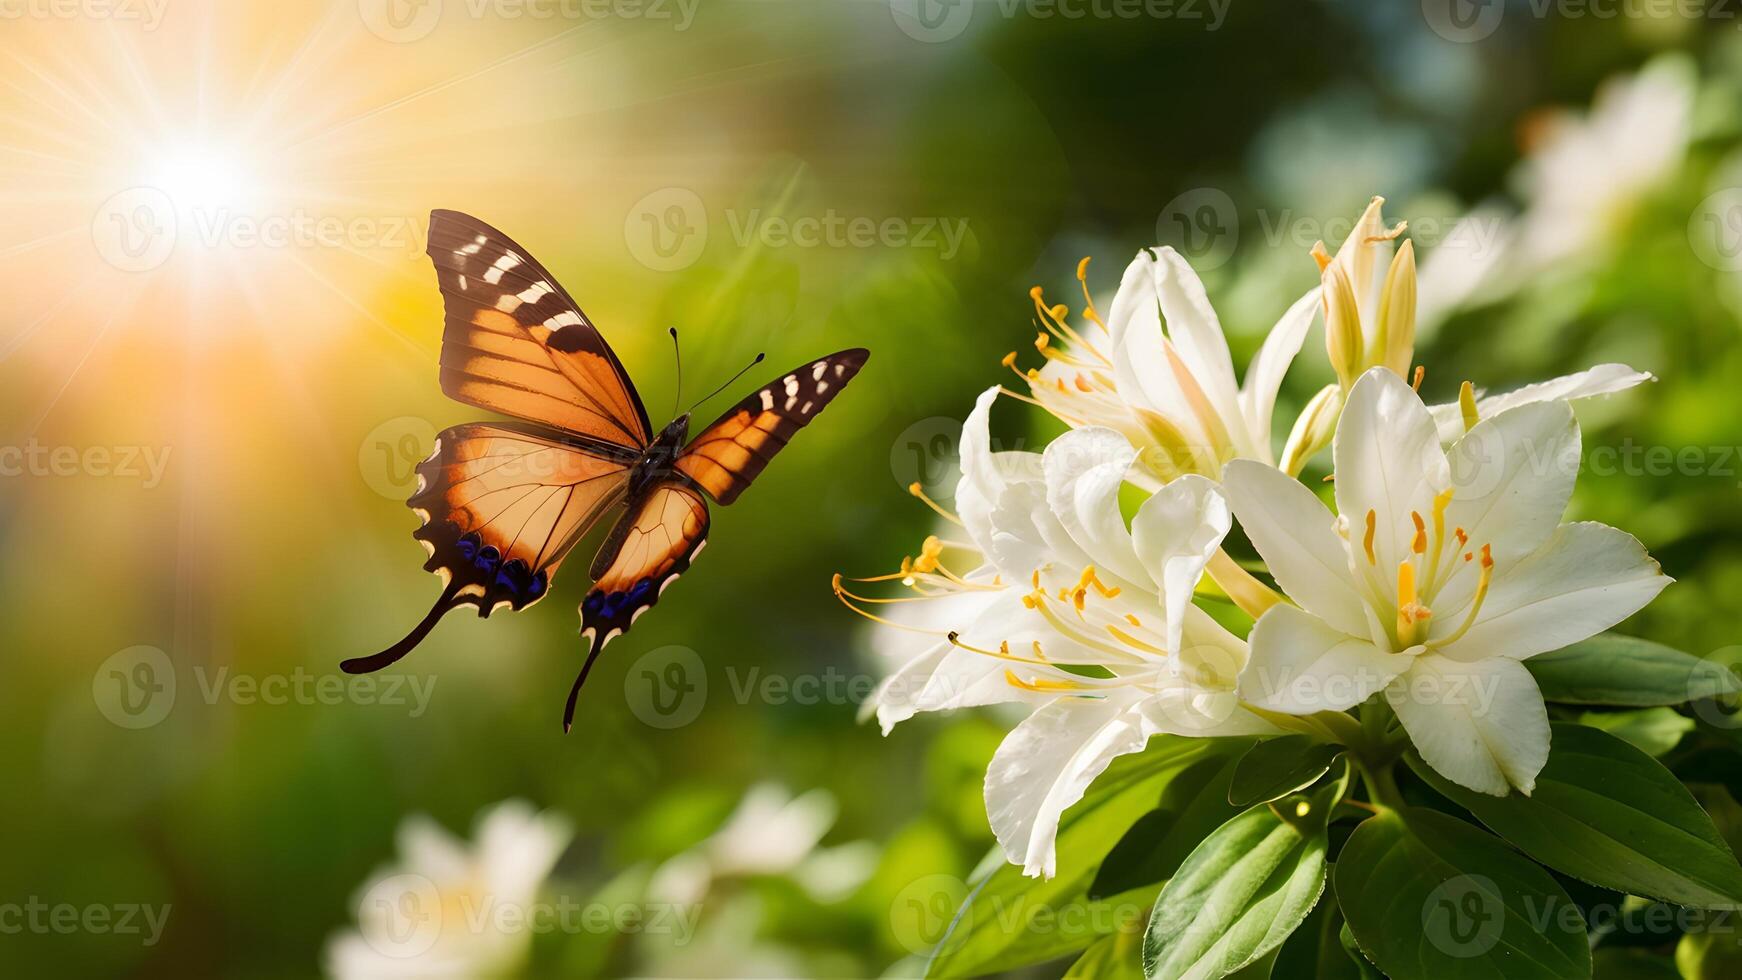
(446, 602)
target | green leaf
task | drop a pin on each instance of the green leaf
(1653, 731)
(1241, 892)
(1115, 957)
(1627, 672)
(1624, 963)
(1607, 813)
(1194, 803)
(1363, 967)
(1009, 920)
(1713, 955)
(1429, 897)
(1313, 952)
(1279, 766)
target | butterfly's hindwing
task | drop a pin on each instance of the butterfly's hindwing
(649, 548)
(502, 506)
(516, 343)
(731, 452)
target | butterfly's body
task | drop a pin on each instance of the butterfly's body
(503, 503)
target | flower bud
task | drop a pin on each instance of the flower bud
(1343, 342)
(1313, 430)
(1396, 335)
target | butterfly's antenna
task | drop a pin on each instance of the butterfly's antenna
(677, 354)
(575, 692)
(729, 381)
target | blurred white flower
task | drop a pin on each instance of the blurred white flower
(770, 833)
(452, 910)
(1579, 182)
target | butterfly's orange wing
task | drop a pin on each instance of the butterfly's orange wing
(649, 548)
(502, 505)
(516, 343)
(726, 456)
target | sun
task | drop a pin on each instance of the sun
(203, 175)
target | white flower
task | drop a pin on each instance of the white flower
(449, 910)
(771, 832)
(1086, 619)
(1171, 392)
(1446, 568)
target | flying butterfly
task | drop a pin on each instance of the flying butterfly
(503, 503)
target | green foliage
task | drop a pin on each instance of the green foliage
(1609, 814)
(1429, 897)
(1625, 671)
(1277, 767)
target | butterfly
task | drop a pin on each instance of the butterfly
(503, 503)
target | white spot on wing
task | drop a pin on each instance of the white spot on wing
(508, 261)
(508, 303)
(767, 399)
(822, 387)
(535, 292)
(567, 318)
(819, 367)
(791, 382)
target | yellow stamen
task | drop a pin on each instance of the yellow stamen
(1420, 373)
(1418, 544)
(1033, 378)
(1467, 405)
(1410, 612)
(843, 595)
(1134, 642)
(1487, 576)
(1041, 685)
(1367, 539)
(928, 555)
(1002, 653)
(1088, 301)
(919, 491)
(1442, 500)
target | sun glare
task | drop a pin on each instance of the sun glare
(202, 175)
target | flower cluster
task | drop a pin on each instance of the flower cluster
(1089, 582)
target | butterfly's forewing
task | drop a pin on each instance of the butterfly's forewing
(650, 547)
(726, 456)
(502, 505)
(516, 343)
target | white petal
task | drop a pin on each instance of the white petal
(1084, 470)
(1301, 665)
(1175, 533)
(1196, 333)
(1264, 375)
(1583, 580)
(1481, 725)
(1001, 499)
(1295, 532)
(1512, 476)
(1604, 379)
(1045, 764)
(1389, 461)
(978, 489)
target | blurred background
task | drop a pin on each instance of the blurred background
(218, 348)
